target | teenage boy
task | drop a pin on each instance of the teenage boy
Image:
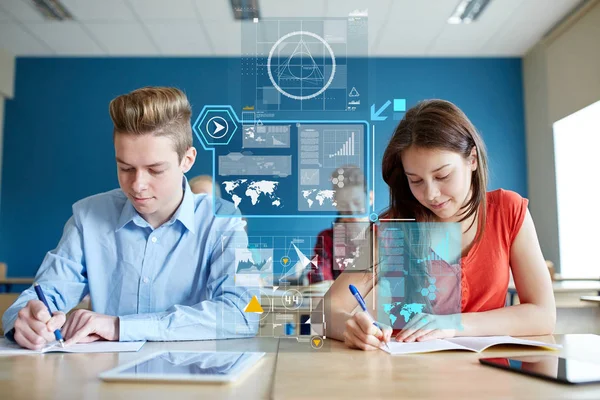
(156, 262)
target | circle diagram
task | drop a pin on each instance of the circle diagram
(260, 302)
(316, 342)
(291, 299)
(300, 73)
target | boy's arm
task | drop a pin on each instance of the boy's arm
(62, 277)
(220, 317)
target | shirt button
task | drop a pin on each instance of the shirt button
(145, 280)
(154, 239)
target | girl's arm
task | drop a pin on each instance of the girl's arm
(339, 302)
(536, 315)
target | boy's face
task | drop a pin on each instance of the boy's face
(150, 174)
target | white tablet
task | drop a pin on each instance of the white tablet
(186, 366)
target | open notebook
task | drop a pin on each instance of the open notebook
(477, 344)
(11, 348)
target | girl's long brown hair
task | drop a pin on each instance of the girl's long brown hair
(440, 125)
(434, 124)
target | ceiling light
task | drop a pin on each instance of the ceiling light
(467, 11)
(245, 9)
(52, 9)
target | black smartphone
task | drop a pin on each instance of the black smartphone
(553, 368)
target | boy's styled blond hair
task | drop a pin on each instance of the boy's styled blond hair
(160, 111)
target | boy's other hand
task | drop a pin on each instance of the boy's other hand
(84, 326)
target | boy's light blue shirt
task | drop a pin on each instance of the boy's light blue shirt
(175, 282)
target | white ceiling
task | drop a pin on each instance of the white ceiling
(397, 28)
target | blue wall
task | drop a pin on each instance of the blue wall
(58, 134)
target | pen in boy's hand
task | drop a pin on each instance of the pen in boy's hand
(40, 295)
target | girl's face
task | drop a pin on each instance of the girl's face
(439, 179)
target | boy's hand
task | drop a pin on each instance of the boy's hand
(35, 326)
(84, 326)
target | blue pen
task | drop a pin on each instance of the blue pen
(40, 295)
(362, 304)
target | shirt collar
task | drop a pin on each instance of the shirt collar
(185, 211)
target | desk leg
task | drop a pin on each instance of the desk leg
(512, 298)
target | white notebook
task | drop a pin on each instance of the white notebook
(477, 344)
(11, 348)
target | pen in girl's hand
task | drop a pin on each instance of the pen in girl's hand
(362, 304)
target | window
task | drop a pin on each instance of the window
(577, 158)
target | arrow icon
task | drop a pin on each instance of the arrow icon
(315, 261)
(215, 126)
(254, 306)
(303, 259)
(376, 116)
(218, 127)
(299, 268)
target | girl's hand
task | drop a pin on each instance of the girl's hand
(428, 327)
(361, 334)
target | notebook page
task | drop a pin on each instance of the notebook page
(398, 348)
(8, 347)
(96, 347)
(481, 343)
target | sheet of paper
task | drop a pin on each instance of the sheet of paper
(10, 348)
(479, 344)
(397, 348)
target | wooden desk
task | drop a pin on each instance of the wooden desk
(345, 373)
(75, 376)
(296, 371)
(563, 287)
(7, 283)
(592, 299)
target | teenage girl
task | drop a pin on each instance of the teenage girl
(436, 168)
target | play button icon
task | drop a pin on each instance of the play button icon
(217, 127)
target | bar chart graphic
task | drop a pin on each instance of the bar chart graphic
(431, 257)
(341, 147)
(347, 148)
(439, 254)
(324, 151)
(439, 250)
